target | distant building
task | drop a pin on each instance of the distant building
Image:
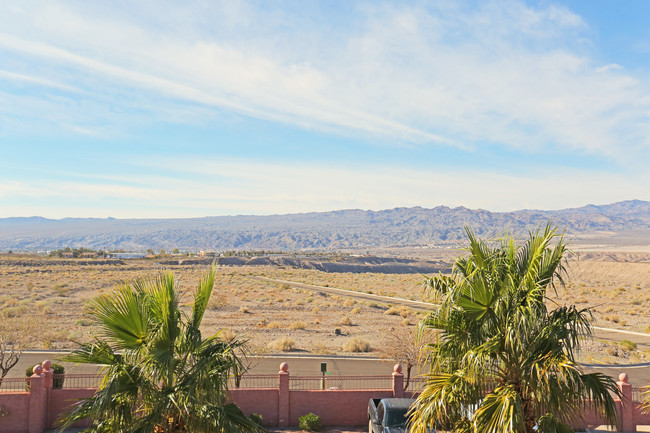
(88, 255)
(67, 255)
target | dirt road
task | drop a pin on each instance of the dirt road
(642, 340)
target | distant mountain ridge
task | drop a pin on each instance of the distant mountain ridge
(340, 229)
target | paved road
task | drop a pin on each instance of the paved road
(309, 365)
(642, 340)
(303, 365)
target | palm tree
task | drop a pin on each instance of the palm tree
(503, 359)
(159, 373)
(645, 399)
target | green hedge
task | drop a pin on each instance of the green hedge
(58, 369)
(309, 422)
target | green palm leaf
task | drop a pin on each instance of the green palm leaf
(158, 371)
(503, 361)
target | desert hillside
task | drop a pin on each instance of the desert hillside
(624, 224)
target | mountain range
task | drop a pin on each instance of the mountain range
(343, 229)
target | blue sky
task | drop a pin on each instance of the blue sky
(153, 109)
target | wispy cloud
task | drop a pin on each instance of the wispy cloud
(226, 186)
(35, 80)
(493, 82)
(450, 73)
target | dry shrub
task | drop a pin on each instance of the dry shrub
(297, 325)
(349, 302)
(357, 345)
(284, 344)
(274, 325)
(405, 312)
(83, 322)
(392, 311)
(346, 321)
(315, 310)
(244, 309)
(227, 334)
(321, 348)
(627, 345)
(217, 300)
(356, 310)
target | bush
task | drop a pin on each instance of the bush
(309, 422)
(256, 418)
(297, 325)
(346, 321)
(285, 344)
(627, 345)
(392, 311)
(83, 322)
(227, 334)
(57, 382)
(357, 344)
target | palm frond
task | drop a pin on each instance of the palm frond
(120, 317)
(501, 411)
(202, 296)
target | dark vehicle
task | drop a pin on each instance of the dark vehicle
(388, 415)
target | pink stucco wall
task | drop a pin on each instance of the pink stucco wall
(260, 401)
(641, 418)
(335, 407)
(41, 407)
(61, 401)
(17, 404)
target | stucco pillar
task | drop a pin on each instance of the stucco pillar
(283, 395)
(626, 416)
(37, 401)
(48, 371)
(398, 381)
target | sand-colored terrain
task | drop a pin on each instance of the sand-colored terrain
(44, 298)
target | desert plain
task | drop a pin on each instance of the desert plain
(43, 301)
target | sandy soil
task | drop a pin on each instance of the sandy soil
(44, 301)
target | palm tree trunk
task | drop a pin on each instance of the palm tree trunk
(408, 376)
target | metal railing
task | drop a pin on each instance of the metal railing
(340, 382)
(637, 394)
(14, 384)
(254, 381)
(416, 383)
(77, 380)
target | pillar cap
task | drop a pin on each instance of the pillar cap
(397, 368)
(47, 364)
(623, 377)
(38, 369)
(284, 367)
